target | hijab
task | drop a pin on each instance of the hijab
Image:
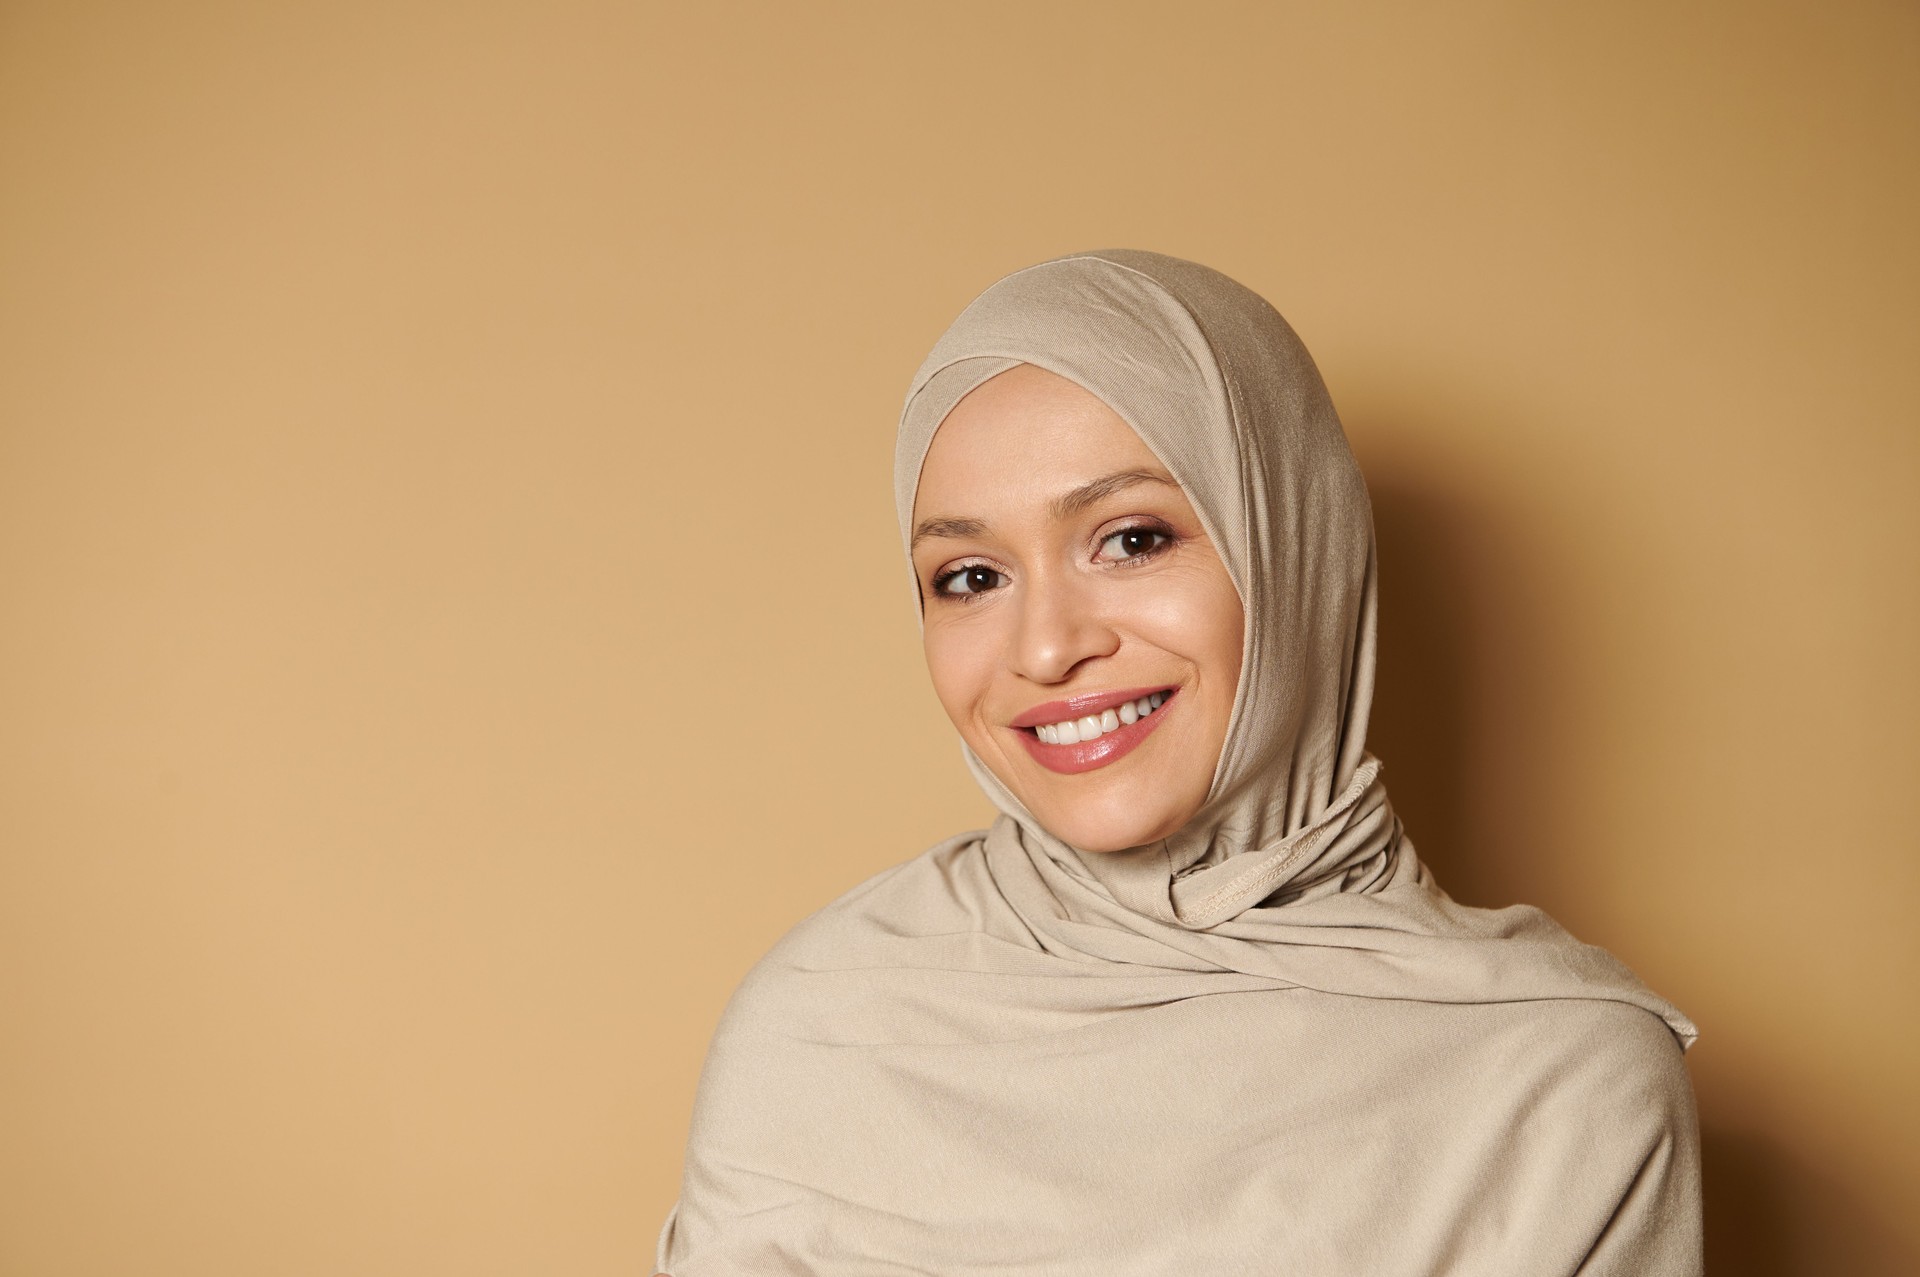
(1269, 1043)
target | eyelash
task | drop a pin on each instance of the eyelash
(1169, 539)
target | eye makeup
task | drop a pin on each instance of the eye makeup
(981, 577)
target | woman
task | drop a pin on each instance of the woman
(1192, 1005)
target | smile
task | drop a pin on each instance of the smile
(1085, 732)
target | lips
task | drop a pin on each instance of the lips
(1109, 745)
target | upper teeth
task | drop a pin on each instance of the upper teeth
(1075, 730)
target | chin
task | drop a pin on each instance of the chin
(1107, 827)
(1137, 802)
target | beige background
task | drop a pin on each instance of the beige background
(451, 615)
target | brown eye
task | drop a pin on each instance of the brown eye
(1131, 543)
(974, 579)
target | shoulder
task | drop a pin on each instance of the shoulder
(917, 896)
(851, 969)
(1612, 1122)
(1615, 1062)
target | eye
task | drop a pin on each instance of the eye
(1134, 543)
(974, 578)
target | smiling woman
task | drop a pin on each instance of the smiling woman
(1193, 1003)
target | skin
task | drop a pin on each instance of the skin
(1125, 591)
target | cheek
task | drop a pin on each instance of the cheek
(1226, 622)
(1195, 617)
(961, 665)
(1198, 618)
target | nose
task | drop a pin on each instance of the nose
(1059, 628)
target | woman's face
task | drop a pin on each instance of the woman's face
(1081, 629)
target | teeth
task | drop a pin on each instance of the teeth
(1074, 731)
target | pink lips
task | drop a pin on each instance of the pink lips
(1098, 752)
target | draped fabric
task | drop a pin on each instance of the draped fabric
(1269, 1043)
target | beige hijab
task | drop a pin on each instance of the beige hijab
(1268, 1044)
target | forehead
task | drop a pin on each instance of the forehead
(1023, 434)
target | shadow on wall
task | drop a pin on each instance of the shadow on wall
(1440, 605)
(1462, 672)
(1770, 1215)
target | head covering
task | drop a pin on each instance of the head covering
(1268, 1043)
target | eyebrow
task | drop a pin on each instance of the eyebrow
(1064, 506)
(947, 528)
